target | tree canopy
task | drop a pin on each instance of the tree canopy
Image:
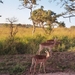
(43, 17)
(47, 17)
(69, 5)
(29, 4)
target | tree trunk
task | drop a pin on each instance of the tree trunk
(33, 28)
(11, 30)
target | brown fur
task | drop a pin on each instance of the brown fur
(39, 59)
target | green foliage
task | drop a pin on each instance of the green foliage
(25, 2)
(21, 46)
(30, 44)
(14, 64)
(43, 18)
(61, 24)
(13, 47)
(33, 44)
(17, 70)
(41, 15)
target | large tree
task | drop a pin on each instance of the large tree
(30, 4)
(43, 17)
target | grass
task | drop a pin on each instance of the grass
(19, 64)
(13, 64)
(25, 40)
(27, 32)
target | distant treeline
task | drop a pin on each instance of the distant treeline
(19, 24)
(27, 25)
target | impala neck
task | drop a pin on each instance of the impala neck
(47, 54)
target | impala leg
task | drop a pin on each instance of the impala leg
(44, 67)
(35, 67)
(40, 66)
(31, 67)
(32, 64)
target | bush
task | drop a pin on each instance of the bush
(17, 70)
(33, 44)
(25, 45)
(30, 45)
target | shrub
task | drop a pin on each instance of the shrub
(33, 44)
(30, 45)
(17, 70)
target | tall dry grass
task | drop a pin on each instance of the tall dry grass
(27, 32)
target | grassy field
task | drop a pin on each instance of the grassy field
(25, 44)
(22, 32)
(24, 37)
(27, 32)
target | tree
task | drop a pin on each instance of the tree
(12, 32)
(43, 17)
(30, 4)
(69, 5)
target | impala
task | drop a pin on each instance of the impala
(39, 59)
(49, 44)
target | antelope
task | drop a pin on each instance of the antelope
(39, 59)
(56, 42)
(49, 44)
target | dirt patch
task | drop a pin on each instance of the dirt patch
(59, 64)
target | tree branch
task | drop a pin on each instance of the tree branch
(1, 1)
(69, 16)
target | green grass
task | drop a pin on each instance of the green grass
(25, 43)
(14, 64)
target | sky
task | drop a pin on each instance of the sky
(10, 8)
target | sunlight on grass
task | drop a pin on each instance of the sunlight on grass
(27, 32)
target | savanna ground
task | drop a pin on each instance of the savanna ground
(60, 62)
(15, 58)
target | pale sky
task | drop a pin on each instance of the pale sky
(10, 9)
